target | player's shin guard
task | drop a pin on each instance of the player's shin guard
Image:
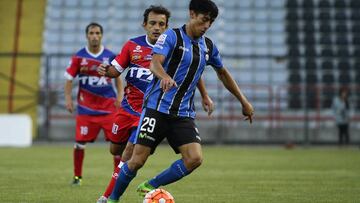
(122, 182)
(174, 173)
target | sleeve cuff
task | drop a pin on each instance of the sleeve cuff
(117, 66)
(68, 76)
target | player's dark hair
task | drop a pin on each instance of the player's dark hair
(93, 24)
(206, 7)
(158, 10)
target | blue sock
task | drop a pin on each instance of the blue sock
(175, 172)
(122, 182)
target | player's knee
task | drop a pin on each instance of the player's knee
(192, 163)
(136, 164)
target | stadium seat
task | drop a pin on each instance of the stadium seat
(344, 65)
(355, 27)
(308, 4)
(328, 78)
(344, 78)
(310, 65)
(292, 15)
(310, 51)
(292, 4)
(343, 52)
(324, 16)
(294, 64)
(324, 4)
(340, 4)
(327, 52)
(295, 78)
(311, 78)
(327, 65)
(341, 28)
(308, 15)
(325, 28)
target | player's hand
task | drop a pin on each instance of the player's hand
(102, 69)
(69, 106)
(167, 83)
(248, 111)
(208, 105)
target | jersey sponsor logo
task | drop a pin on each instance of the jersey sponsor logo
(161, 39)
(145, 136)
(137, 49)
(93, 80)
(183, 48)
(141, 73)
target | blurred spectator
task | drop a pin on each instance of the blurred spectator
(341, 110)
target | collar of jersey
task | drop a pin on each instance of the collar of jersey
(191, 39)
(95, 55)
(148, 42)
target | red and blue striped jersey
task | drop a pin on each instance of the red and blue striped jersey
(135, 56)
(96, 94)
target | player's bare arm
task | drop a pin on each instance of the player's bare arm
(166, 82)
(207, 103)
(68, 98)
(230, 84)
(120, 92)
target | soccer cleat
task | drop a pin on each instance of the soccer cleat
(144, 188)
(76, 181)
(112, 201)
(102, 199)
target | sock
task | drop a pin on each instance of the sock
(78, 161)
(111, 184)
(117, 159)
(175, 172)
(122, 182)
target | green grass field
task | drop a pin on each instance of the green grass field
(238, 174)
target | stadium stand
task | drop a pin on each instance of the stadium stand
(325, 27)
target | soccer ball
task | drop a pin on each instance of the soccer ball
(158, 196)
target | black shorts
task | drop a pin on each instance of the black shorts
(154, 126)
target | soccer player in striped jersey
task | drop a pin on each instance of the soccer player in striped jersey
(136, 56)
(96, 99)
(179, 58)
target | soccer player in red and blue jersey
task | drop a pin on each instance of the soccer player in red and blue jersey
(96, 100)
(136, 56)
(180, 56)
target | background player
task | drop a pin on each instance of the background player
(135, 56)
(96, 98)
(180, 56)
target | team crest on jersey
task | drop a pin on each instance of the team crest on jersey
(135, 57)
(137, 49)
(161, 39)
(83, 62)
